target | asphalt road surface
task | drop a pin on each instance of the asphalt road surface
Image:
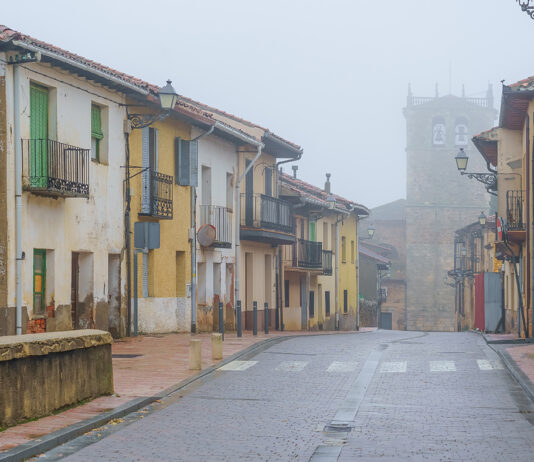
(385, 395)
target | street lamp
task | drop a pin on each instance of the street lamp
(371, 231)
(331, 201)
(489, 179)
(482, 218)
(167, 100)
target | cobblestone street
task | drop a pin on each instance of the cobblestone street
(381, 395)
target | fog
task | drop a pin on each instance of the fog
(331, 76)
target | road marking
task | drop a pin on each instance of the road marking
(393, 366)
(342, 366)
(237, 365)
(442, 366)
(291, 366)
(487, 365)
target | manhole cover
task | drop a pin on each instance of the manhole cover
(120, 356)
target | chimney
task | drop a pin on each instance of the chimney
(295, 168)
(327, 184)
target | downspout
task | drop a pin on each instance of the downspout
(238, 217)
(278, 276)
(18, 198)
(357, 276)
(193, 198)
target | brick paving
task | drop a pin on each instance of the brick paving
(469, 412)
(163, 361)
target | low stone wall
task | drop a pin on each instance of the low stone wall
(40, 373)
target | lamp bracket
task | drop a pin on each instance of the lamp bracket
(489, 179)
(527, 7)
(144, 120)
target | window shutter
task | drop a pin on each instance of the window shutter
(96, 122)
(193, 151)
(145, 198)
(184, 163)
(268, 181)
(177, 160)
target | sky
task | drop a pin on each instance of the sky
(329, 75)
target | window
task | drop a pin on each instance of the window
(312, 304)
(345, 301)
(312, 231)
(186, 162)
(327, 303)
(229, 191)
(39, 102)
(343, 249)
(96, 132)
(268, 181)
(286, 293)
(206, 186)
(302, 228)
(39, 281)
(352, 253)
(325, 236)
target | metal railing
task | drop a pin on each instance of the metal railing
(327, 262)
(261, 211)
(309, 254)
(514, 211)
(156, 200)
(57, 169)
(221, 219)
(417, 100)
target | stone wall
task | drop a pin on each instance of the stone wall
(41, 373)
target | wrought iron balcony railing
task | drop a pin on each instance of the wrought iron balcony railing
(327, 262)
(514, 211)
(221, 219)
(156, 200)
(56, 169)
(261, 211)
(309, 254)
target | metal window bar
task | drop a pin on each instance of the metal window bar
(514, 211)
(56, 168)
(261, 211)
(161, 186)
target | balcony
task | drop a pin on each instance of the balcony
(267, 219)
(156, 201)
(515, 220)
(303, 254)
(56, 169)
(221, 219)
(327, 262)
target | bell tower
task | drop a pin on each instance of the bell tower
(438, 199)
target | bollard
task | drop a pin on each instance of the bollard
(195, 354)
(221, 320)
(238, 319)
(255, 318)
(266, 317)
(216, 346)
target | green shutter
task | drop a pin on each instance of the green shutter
(39, 136)
(96, 122)
(312, 231)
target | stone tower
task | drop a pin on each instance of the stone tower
(438, 199)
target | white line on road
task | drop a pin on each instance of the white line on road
(487, 365)
(442, 366)
(237, 365)
(291, 366)
(393, 366)
(342, 366)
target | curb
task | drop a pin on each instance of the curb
(514, 370)
(63, 435)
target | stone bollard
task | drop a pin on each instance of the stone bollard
(195, 354)
(216, 346)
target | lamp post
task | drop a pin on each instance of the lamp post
(167, 99)
(482, 218)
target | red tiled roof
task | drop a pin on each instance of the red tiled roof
(525, 84)
(486, 143)
(375, 256)
(307, 190)
(189, 105)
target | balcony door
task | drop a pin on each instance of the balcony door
(38, 136)
(249, 195)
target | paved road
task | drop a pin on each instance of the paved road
(386, 395)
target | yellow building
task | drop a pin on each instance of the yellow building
(320, 271)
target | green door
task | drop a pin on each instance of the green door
(38, 136)
(39, 280)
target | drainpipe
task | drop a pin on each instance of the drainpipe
(18, 198)
(357, 276)
(338, 252)
(194, 245)
(238, 217)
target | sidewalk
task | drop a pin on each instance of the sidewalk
(142, 367)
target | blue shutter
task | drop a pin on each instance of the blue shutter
(145, 197)
(184, 163)
(193, 152)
